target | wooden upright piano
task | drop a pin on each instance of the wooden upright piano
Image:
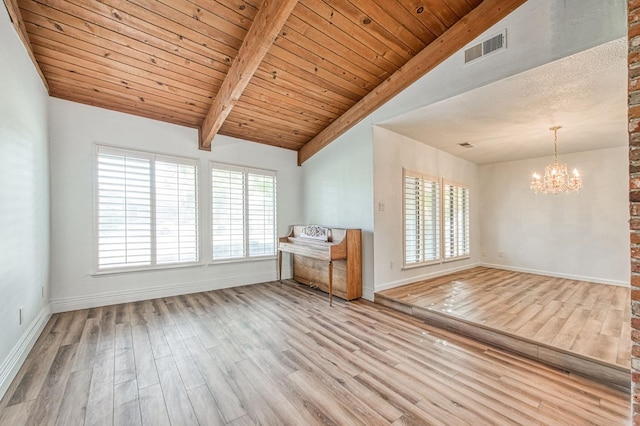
(326, 258)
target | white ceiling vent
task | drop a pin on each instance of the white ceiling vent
(485, 47)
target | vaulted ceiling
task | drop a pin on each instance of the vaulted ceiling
(293, 74)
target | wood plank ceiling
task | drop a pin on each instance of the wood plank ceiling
(167, 59)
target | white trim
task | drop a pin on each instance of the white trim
(242, 259)
(12, 363)
(368, 293)
(458, 187)
(134, 269)
(240, 168)
(246, 172)
(125, 296)
(118, 150)
(424, 179)
(558, 275)
(411, 266)
(152, 158)
(433, 274)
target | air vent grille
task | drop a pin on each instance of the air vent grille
(490, 45)
(493, 44)
(473, 53)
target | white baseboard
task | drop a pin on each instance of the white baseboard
(10, 366)
(368, 293)
(426, 276)
(558, 275)
(111, 298)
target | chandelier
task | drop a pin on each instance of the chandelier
(556, 178)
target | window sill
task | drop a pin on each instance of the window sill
(242, 260)
(435, 262)
(421, 265)
(453, 259)
(118, 271)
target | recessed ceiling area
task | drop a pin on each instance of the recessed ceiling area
(585, 93)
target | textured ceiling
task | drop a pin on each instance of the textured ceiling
(585, 93)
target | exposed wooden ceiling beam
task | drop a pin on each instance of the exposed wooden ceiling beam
(263, 32)
(21, 29)
(488, 13)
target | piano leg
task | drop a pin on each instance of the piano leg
(280, 266)
(330, 283)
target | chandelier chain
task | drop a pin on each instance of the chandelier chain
(555, 141)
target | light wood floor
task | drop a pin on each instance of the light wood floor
(271, 354)
(592, 320)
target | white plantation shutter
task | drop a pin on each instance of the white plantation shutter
(456, 221)
(421, 218)
(227, 212)
(261, 211)
(176, 211)
(146, 209)
(243, 212)
(124, 209)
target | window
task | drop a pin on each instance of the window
(456, 221)
(243, 212)
(421, 218)
(146, 209)
(433, 220)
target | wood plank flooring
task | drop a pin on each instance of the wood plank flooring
(272, 354)
(588, 319)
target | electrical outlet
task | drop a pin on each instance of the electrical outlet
(392, 264)
(381, 206)
(42, 292)
(500, 254)
(20, 315)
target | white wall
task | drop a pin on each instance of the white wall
(538, 32)
(392, 152)
(338, 191)
(24, 202)
(563, 27)
(74, 131)
(583, 236)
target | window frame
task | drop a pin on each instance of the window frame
(442, 184)
(246, 171)
(467, 220)
(152, 157)
(437, 240)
